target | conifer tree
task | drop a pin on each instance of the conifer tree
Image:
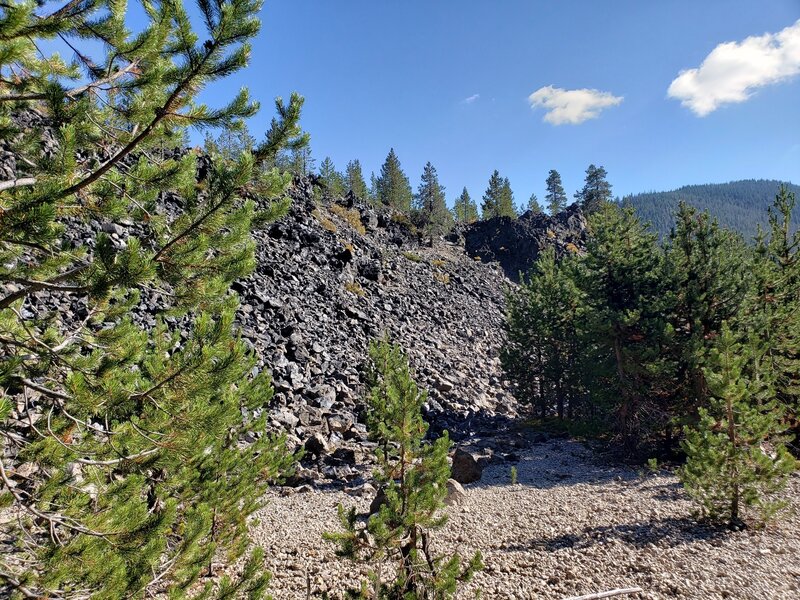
(135, 472)
(465, 209)
(331, 178)
(708, 283)
(771, 313)
(533, 205)
(543, 324)
(354, 180)
(430, 209)
(392, 185)
(498, 200)
(555, 198)
(596, 190)
(627, 308)
(736, 457)
(413, 476)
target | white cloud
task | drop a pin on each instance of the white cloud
(571, 106)
(471, 99)
(734, 70)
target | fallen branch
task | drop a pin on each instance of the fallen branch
(608, 594)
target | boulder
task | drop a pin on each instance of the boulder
(465, 469)
(455, 493)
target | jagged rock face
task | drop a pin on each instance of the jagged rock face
(322, 290)
(516, 243)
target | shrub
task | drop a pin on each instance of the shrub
(412, 257)
(351, 216)
(354, 288)
(324, 221)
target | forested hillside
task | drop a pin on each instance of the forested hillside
(738, 205)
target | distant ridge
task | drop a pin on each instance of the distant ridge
(738, 205)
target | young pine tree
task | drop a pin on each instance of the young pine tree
(533, 205)
(498, 200)
(736, 457)
(465, 209)
(126, 392)
(430, 209)
(392, 187)
(413, 476)
(555, 198)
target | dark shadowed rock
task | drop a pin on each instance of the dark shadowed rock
(465, 468)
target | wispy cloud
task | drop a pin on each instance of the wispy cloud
(571, 106)
(734, 70)
(471, 99)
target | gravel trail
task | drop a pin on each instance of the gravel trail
(570, 526)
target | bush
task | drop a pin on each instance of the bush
(351, 216)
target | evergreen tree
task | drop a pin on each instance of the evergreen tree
(430, 209)
(533, 205)
(354, 180)
(230, 144)
(413, 477)
(392, 186)
(556, 198)
(771, 315)
(707, 283)
(373, 189)
(541, 353)
(465, 209)
(627, 309)
(138, 473)
(736, 456)
(498, 200)
(332, 180)
(596, 190)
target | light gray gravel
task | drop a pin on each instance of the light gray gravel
(570, 526)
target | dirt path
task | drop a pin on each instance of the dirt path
(570, 526)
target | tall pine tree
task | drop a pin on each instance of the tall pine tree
(332, 180)
(555, 198)
(465, 209)
(596, 190)
(138, 473)
(392, 186)
(498, 200)
(430, 208)
(354, 180)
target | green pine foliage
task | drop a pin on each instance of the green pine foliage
(596, 190)
(533, 205)
(555, 198)
(124, 441)
(431, 214)
(498, 200)
(392, 187)
(354, 180)
(413, 477)
(465, 209)
(331, 179)
(736, 457)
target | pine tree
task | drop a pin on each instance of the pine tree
(430, 209)
(533, 205)
(138, 473)
(596, 190)
(771, 313)
(465, 209)
(230, 144)
(627, 307)
(708, 283)
(556, 198)
(332, 180)
(498, 200)
(413, 477)
(392, 186)
(736, 457)
(541, 353)
(354, 180)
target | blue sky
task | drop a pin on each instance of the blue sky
(381, 74)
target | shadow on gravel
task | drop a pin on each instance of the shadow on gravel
(669, 532)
